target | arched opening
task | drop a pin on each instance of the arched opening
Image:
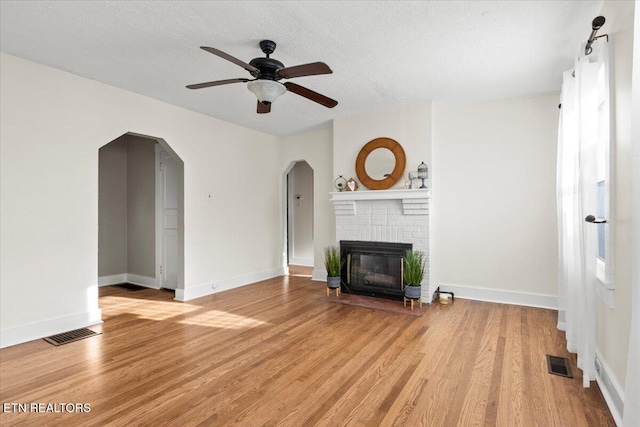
(140, 213)
(298, 201)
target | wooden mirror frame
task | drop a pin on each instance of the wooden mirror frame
(381, 184)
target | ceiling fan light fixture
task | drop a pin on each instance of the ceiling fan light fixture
(266, 91)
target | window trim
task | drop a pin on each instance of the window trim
(605, 267)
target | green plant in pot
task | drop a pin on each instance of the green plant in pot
(333, 265)
(414, 266)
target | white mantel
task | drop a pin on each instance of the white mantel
(400, 194)
(398, 216)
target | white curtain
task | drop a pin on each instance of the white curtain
(576, 191)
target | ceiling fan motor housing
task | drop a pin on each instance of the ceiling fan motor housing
(268, 68)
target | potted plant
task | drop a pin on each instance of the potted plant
(414, 265)
(333, 265)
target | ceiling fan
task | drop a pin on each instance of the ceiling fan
(267, 71)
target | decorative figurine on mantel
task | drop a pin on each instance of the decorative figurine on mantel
(352, 185)
(423, 173)
(409, 184)
(340, 183)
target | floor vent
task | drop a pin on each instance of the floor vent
(131, 287)
(71, 336)
(559, 366)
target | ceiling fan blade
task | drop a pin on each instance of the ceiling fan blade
(221, 54)
(262, 108)
(216, 83)
(309, 94)
(311, 69)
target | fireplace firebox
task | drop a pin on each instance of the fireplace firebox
(373, 268)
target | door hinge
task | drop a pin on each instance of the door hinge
(160, 165)
(160, 269)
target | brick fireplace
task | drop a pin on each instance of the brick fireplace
(394, 216)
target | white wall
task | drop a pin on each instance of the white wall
(410, 125)
(112, 208)
(51, 126)
(632, 383)
(301, 214)
(141, 207)
(316, 148)
(126, 210)
(612, 339)
(494, 208)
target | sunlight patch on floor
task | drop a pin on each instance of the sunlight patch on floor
(223, 320)
(308, 276)
(300, 271)
(147, 309)
(94, 355)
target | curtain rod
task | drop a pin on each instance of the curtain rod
(596, 24)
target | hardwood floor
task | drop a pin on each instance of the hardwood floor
(280, 353)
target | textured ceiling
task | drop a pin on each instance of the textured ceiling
(383, 54)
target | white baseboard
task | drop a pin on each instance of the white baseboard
(502, 296)
(226, 284)
(135, 279)
(304, 262)
(113, 279)
(319, 275)
(611, 390)
(562, 320)
(38, 330)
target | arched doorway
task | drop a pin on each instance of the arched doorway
(299, 235)
(140, 213)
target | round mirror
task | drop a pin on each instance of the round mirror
(376, 175)
(380, 163)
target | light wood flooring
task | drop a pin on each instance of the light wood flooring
(280, 353)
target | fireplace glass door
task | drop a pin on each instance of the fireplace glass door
(373, 268)
(375, 271)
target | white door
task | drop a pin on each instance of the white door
(167, 215)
